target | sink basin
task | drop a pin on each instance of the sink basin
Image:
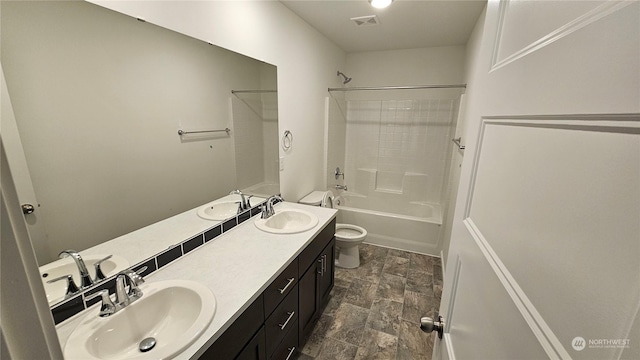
(218, 211)
(56, 291)
(174, 312)
(288, 221)
(224, 208)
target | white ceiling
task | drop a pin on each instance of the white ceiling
(406, 24)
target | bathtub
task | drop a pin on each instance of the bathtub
(413, 226)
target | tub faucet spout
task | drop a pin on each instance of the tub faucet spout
(341, 187)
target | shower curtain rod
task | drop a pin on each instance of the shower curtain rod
(252, 91)
(464, 86)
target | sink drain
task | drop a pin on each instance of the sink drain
(147, 344)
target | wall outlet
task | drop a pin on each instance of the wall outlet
(281, 163)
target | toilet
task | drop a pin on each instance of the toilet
(348, 236)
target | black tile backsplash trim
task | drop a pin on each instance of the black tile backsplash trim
(255, 211)
(192, 243)
(212, 233)
(169, 255)
(67, 309)
(150, 264)
(76, 304)
(229, 224)
(244, 216)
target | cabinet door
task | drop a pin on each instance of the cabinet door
(255, 349)
(238, 335)
(308, 298)
(327, 275)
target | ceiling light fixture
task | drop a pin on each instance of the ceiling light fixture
(380, 4)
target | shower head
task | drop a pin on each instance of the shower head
(346, 79)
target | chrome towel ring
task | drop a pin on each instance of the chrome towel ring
(287, 140)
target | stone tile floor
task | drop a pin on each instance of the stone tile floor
(374, 310)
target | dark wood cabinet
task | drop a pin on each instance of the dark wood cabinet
(255, 349)
(283, 319)
(317, 269)
(276, 324)
(328, 271)
(242, 332)
(288, 348)
(308, 301)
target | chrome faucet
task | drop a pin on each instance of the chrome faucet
(84, 273)
(124, 298)
(72, 288)
(244, 204)
(267, 208)
(341, 187)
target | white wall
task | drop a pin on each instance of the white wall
(471, 53)
(268, 31)
(436, 65)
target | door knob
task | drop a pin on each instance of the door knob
(28, 209)
(428, 325)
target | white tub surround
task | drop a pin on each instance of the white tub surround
(391, 206)
(395, 157)
(411, 226)
(237, 266)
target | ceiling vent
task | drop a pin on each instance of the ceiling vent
(366, 20)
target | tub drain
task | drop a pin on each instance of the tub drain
(147, 344)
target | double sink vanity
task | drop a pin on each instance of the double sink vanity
(254, 291)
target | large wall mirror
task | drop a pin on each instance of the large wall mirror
(99, 98)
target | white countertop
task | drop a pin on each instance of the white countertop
(237, 266)
(147, 242)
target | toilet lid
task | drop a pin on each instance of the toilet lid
(318, 198)
(327, 199)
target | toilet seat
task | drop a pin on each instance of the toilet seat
(350, 232)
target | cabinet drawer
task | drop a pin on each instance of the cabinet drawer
(283, 319)
(308, 256)
(288, 348)
(280, 287)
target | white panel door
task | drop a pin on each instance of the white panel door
(20, 171)
(544, 259)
